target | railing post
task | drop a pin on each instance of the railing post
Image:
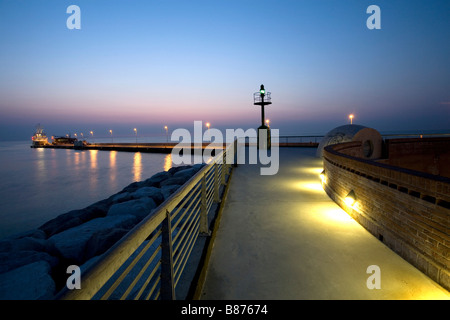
(204, 228)
(167, 277)
(216, 183)
(224, 168)
(235, 155)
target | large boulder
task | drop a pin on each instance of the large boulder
(75, 218)
(180, 180)
(25, 243)
(121, 197)
(101, 241)
(174, 170)
(71, 244)
(168, 190)
(15, 259)
(185, 173)
(33, 233)
(150, 192)
(133, 186)
(138, 208)
(156, 179)
(29, 282)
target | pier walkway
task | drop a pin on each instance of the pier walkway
(282, 238)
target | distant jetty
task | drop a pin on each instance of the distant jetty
(157, 147)
(130, 147)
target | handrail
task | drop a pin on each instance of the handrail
(300, 139)
(149, 260)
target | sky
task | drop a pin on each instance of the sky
(147, 64)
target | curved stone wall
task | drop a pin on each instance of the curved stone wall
(407, 210)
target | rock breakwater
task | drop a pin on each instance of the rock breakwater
(33, 264)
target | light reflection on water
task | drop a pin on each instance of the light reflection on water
(137, 166)
(168, 162)
(113, 166)
(39, 184)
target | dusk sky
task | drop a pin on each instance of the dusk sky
(146, 64)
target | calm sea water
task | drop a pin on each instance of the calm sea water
(37, 185)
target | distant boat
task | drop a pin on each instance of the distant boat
(39, 138)
(64, 140)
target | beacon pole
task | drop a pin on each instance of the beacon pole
(263, 98)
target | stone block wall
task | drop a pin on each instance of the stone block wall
(407, 210)
(431, 155)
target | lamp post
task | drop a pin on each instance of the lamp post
(110, 132)
(263, 98)
(92, 134)
(167, 135)
(208, 125)
(135, 132)
(351, 116)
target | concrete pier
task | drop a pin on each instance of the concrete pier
(282, 238)
(131, 147)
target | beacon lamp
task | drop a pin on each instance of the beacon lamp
(350, 199)
(262, 91)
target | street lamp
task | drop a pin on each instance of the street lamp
(135, 132)
(267, 122)
(92, 134)
(167, 134)
(351, 116)
(110, 132)
(208, 125)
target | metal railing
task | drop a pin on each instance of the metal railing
(300, 139)
(414, 135)
(149, 261)
(258, 99)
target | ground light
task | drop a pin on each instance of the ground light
(350, 199)
(323, 177)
